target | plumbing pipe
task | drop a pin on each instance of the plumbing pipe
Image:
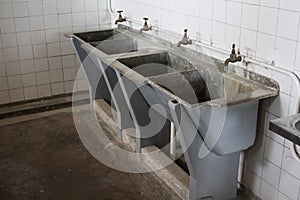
(247, 58)
(173, 141)
(109, 8)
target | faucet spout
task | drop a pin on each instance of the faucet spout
(185, 40)
(146, 27)
(120, 18)
(233, 57)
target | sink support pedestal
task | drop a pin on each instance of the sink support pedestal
(152, 128)
(212, 175)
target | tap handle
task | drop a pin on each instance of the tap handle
(146, 19)
(233, 49)
(119, 11)
(185, 30)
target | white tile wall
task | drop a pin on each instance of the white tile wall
(271, 173)
(267, 191)
(33, 50)
(289, 185)
(266, 29)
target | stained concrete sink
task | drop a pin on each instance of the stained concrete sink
(214, 110)
(109, 41)
(189, 86)
(117, 46)
(156, 64)
(95, 37)
(287, 127)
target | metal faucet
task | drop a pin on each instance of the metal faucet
(233, 56)
(120, 19)
(185, 40)
(146, 27)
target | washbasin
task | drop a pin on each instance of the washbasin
(200, 86)
(288, 127)
(95, 37)
(189, 86)
(206, 103)
(156, 64)
(117, 46)
(109, 41)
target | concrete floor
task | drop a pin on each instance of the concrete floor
(43, 158)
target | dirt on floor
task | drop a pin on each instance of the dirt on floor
(45, 159)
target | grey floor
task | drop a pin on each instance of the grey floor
(42, 157)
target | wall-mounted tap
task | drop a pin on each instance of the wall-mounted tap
(146, 27)
(120, 19)
(185, 40)
(233, 56)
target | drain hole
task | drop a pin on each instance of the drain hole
(174, 101)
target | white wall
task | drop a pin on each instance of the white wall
(266, 29)
(36, 60)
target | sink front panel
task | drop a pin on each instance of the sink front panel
(98, 87)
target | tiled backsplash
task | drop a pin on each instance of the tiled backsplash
(36, 60)
(265, 29)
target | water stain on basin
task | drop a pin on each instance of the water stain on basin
(189, 86)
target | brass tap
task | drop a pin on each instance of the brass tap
(120, 19)
(146, 27)
(185, 40)
(233, 56)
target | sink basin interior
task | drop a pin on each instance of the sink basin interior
(197, 86)
(95, 37)
(110, 41)
(190, 86)
(118, 46)
(157, 64)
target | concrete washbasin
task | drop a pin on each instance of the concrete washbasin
(288, 127)
(95, 37)
(156, 64)
(110, 41)
(117, 46)
(206, 103)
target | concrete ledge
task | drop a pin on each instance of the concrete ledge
(173, 175)
(128, 139)
(47, 104)
(108, 116)
(106, 113)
